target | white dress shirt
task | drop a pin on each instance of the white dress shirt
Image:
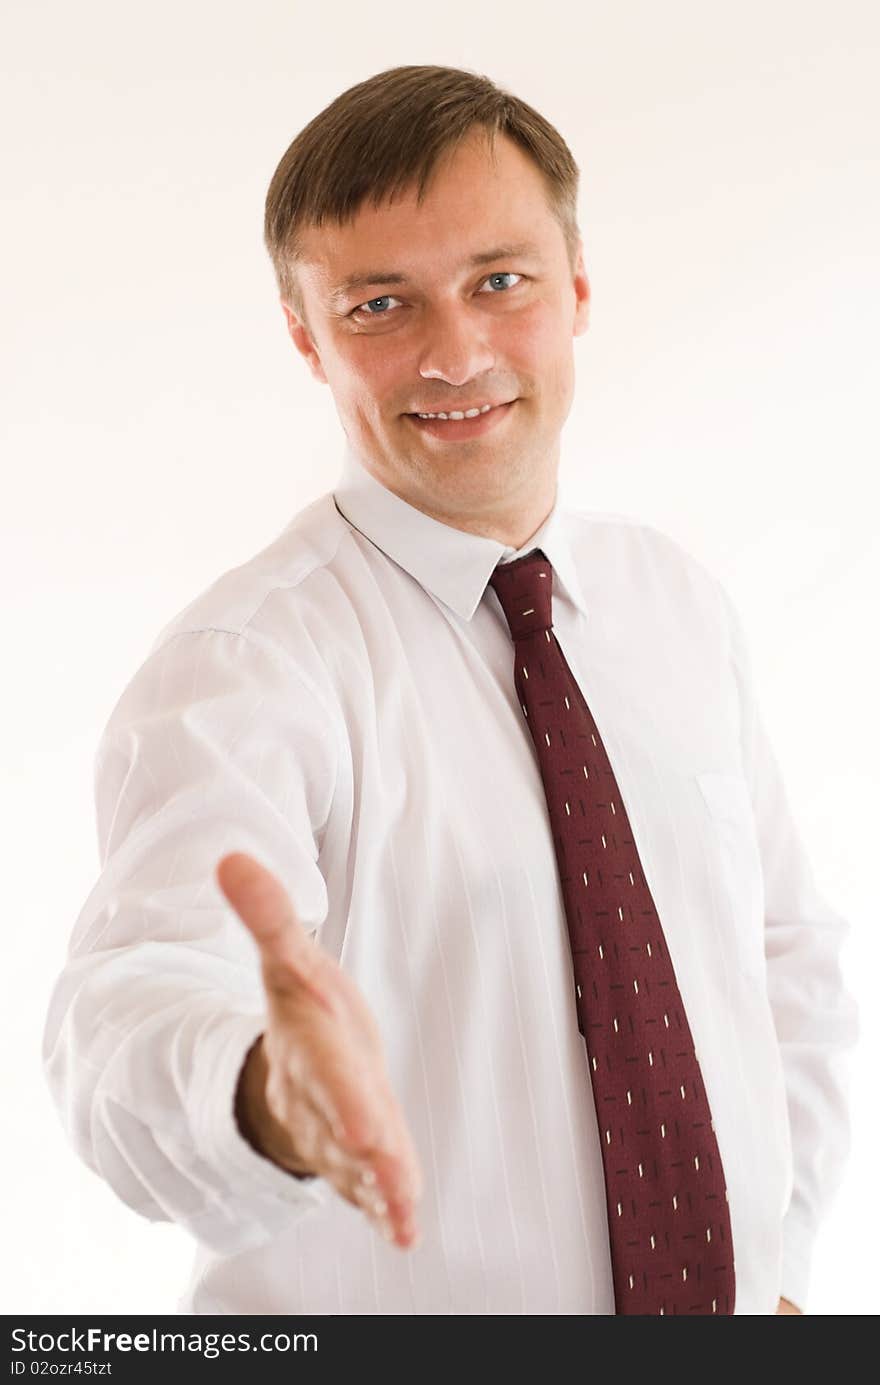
(342, 706)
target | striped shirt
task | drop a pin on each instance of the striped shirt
(342, 707)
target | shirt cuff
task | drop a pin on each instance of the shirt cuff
(242, 1168)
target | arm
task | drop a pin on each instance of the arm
(815, 1016)
(216, 744)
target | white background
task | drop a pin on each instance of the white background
(159, 427)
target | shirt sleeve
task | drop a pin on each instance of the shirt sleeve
(815, 1016)
(217, 744)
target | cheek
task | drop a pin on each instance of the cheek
(533, 340)
(375, 371)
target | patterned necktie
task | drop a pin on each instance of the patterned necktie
(668, 1218)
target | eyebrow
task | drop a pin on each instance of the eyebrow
(373, 277)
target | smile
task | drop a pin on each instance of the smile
(460, 425)
(458, 413)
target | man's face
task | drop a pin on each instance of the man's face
(428, 329)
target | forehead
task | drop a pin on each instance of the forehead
(474, 201)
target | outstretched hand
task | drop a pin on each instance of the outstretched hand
(314, 1093)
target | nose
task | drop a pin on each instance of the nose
(455, 348)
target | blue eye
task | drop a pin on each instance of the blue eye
(502, 274)
(387, 298)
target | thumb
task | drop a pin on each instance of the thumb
(266, 910)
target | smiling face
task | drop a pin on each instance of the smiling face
(466, 300)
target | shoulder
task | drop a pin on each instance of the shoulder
(267, 599)
(647, 552)
(248, 642)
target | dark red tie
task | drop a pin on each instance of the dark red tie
(668, 1219)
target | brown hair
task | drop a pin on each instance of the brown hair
(380, 136)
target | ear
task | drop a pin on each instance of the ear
(581, 286)
(304, 342)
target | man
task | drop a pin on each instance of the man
(342, 734)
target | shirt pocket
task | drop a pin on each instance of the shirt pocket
(737, 868)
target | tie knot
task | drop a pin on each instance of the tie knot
(525, 589)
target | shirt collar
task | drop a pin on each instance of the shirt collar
(452, 564)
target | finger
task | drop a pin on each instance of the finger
(390, 1171)
(374, 1175)
(259, 899)
(266, 910)
(368, 1120)
(399, 1176)
(407, 1187)
(365, 1198)
(318, 1149)
(345, 1089)
(376, 1209)
(394, 1216)
(354, 1102)
(361, 1185)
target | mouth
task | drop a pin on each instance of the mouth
(461, 429)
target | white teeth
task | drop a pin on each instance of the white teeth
(456, 414)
